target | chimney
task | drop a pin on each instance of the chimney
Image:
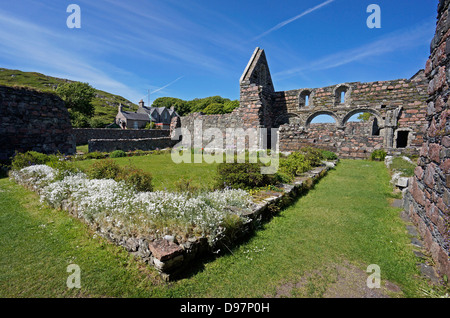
(141, 103)
(120, 107)
(172, 107)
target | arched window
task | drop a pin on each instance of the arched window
(304, 99)
(342, 94)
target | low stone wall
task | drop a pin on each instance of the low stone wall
(83, 135)
(348, 143)
(108, 145)
(33, 120)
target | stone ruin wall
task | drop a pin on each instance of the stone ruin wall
(83, 135)
(33, 120)
(397, 106)
(354, 142)
(428, 197)
(343, 137)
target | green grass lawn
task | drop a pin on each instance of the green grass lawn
(405, 167)
(346, 218)
(165, 172)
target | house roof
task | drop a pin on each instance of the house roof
(159, 110)
(135, 116)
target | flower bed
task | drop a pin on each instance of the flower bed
(168, 230)
(119, 209)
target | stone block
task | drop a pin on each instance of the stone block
(163, 250)
(402, 182)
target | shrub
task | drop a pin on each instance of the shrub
(150, 125)
(242, 176)
(118, 154)
(109, 169)
(94, 155)
(137, 178)
(295, 164)
(186, 185)
(329, 155)
(104, 169)
(312, 155)
(378, 155)
(29, 158)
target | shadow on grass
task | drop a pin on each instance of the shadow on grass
(228, 246)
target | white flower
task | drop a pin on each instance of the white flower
(116, 206)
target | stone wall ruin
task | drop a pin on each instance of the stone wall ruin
(427, 199)
(396, 107)
(33, 120)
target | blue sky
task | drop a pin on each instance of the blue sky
(199, 48)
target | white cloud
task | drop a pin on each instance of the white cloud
(400, 40)
(28, 44)
(282, 24)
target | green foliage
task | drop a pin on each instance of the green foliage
(186, 185)
(105, 104)
(180, 106)
(94, 155)
(313, 155)
(22, 160)
(137, 178)
(78, 97)
(378, 155)
(118, 154)
(97, 123)
(104, 169)
(214, 108)
(63, 166)
(294, 165)
(243, 176)
(208, 105)
(79, 120)
(150, 125)
(109, 169)
(329, 155)
(364, 116)
(403, 166)
(229, 106)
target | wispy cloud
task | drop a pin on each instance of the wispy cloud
(165, 86)
(399, 40)
(286, 22)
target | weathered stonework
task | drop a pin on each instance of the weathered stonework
(83, 135)
(427, 199)
(33, 120)
(397, 107)
(145, 144)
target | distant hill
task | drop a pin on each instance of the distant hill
(105, 103)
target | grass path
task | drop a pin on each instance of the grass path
(346, 219)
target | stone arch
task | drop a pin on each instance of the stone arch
(362, 110)
(340, 89)
(305, 98)
(322, 112)
(289, 118)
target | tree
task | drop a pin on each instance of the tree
(180, 106)
(78, 98)
(229, 106)
(214, 108)
(364, 116)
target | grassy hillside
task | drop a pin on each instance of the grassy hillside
(105, 103)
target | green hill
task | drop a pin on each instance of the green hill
(105, 103)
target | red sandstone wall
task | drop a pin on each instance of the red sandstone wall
(428, 199)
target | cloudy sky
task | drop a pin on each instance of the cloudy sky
(199, 48)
